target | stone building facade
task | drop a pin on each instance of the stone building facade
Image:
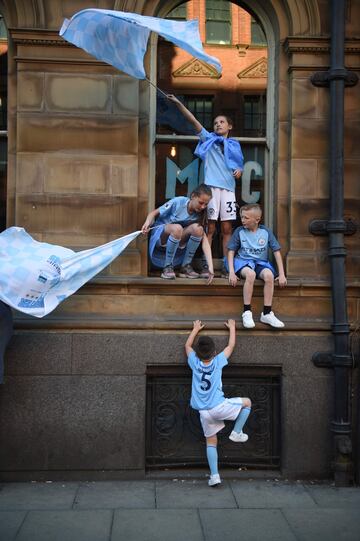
(80, 389)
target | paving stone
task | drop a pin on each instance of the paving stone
(249, 524)
(324, 524)
(192, 494)
(271, 495)
(157, 525)
(330, 496)
(18, 496)
(66, 526)
(116, 494)
(10, 522)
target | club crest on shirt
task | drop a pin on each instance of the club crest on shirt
(261, 241)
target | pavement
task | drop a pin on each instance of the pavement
(179, 510)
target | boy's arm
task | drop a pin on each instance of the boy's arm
(187, 114)
(149, 220)
(279, 262)
(230, 324)
(197, 326)
(233, 279)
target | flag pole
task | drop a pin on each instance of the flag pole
(157, 88)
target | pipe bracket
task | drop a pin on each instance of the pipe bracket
(323, 78)
(327, 359)
(324, 227)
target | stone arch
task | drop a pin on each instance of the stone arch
(23, 13)
(304, 17)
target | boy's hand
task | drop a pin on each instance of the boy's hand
(237, 173)
(197, 325)
(233, 279)
(281, 280)
(230, 324)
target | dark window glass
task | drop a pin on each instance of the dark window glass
(202, 109)
(218, 22)
(257, 33)
(255, 116)
(178, 13)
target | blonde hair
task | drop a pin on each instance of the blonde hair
(251, 206)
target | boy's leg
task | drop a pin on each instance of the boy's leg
(212, 458)
(268, 315)
(268, 278)
(237, 434)
(249, 276)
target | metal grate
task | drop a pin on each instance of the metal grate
(174, 436)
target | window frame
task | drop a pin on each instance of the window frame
(209, 19)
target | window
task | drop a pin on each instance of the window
(202, 109)
(255, 116)
(257, 33)
(218, 22)
(178, 14)
(177, 169)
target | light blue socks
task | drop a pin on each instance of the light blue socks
(171, 247)
(191, 247)
(212, 458)
(241, 419)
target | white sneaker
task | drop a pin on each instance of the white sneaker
(238, 437)
(247, 319)
(214, 480)
(271, 319)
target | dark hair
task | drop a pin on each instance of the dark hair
(202, 189)
(205, 348)
(228, 119)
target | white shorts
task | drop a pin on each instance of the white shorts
(223, 202)
(212, 421)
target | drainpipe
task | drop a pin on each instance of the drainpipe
(340, 359)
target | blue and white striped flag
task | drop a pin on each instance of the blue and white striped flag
(120, 38)
(36, 276)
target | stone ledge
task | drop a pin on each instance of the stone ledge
(94, 323)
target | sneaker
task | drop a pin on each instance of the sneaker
(247, 319)
(188, 272)
(271, 319)
(214, 480)
(204, 273)
(238, 437)
(168, 273)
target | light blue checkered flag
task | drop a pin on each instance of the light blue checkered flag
(120, 38)
(36, 276)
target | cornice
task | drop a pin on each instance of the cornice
(310, 45)
(26, 36)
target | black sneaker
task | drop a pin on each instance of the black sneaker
(205, 273)
(168, 273)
